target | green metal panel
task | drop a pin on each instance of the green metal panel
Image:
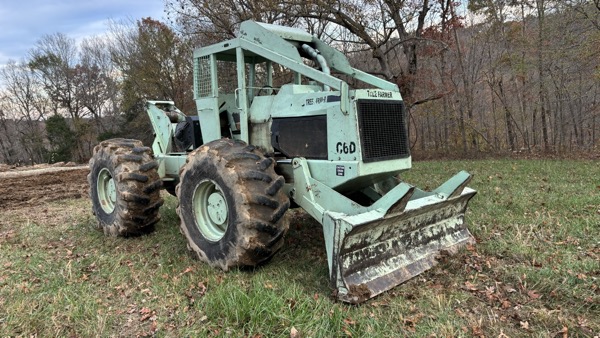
(220, 49)
(207, 97)
(334, 57)
(171, 163)
(242, 99)
(336, 174)
(168, 161)
(252, 32)
(162, 127)
(288, 33)
(208, 112)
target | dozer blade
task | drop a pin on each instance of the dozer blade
(375, 251)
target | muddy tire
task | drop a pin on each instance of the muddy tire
(231, 205)
(124, 187)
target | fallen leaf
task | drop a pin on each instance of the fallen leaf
(524, 325)
(147, 314)
(201, 288)
(411, 322)
(502, 334)
(470, 286)
(294, 333)
(533, 294)
(220, 279)
(564, 331)
(477, 331)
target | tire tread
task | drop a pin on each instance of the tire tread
(263, 226)
(138, 185)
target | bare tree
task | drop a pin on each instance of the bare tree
(210, 21)
(54, 60)
(540, 6)
(8, 152)
(24, 107)
(99, 85)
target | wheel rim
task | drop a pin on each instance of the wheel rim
(107, 192)
(210, 210)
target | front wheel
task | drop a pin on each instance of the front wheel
(231, 204)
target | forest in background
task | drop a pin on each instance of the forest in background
(478, 76)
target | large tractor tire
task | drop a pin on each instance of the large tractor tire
(124, 187)
(231, 205)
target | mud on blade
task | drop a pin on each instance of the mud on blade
(378, 253)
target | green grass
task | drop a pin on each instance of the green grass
(534, 272)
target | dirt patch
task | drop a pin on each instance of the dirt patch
(30, 186)
(12, 168)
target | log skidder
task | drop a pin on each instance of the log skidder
(124, 187)
(339, 151)
(231, 204)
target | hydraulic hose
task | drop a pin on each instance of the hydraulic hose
(320, 60)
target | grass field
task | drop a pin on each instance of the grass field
(535, 271)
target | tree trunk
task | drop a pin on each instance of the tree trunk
(510, 132)
(540, 6)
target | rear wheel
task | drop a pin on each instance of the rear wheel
(231, 204)
(124, 187)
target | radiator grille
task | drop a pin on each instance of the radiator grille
(383, 130)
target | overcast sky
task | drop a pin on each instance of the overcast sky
(23, 22)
